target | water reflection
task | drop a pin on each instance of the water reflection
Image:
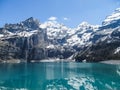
(118, 70)
(50, 74)
(64, 76)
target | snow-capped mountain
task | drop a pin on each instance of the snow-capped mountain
(50, 39)
(107, 41)
(81, 35)
(22, 29)
(55, 30)
(69, 36)
(109, 25)
(114, 17)
(57, 33)
(33, 40)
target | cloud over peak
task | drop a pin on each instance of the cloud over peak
(52, 18)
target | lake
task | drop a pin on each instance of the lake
(59, 76)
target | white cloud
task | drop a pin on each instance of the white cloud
(66, 19)
(52, 18)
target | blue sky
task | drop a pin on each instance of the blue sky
(69, 12)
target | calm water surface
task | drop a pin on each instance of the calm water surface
(59, 76)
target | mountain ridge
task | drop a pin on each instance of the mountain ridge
(31, 40)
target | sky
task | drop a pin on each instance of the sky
(69, 12)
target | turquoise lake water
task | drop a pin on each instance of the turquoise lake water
(59, 76)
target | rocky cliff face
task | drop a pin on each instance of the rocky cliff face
(24, 40)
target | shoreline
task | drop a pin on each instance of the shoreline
(53, 60)
(116, 62)
(36, 61)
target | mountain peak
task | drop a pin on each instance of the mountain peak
(112, 18)
(84, 24)
(31, 23)
(31, 19)
(117, 10)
